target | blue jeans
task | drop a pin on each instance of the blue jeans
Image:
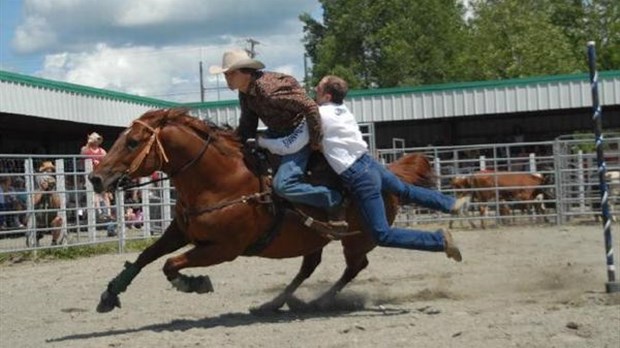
(366, 179)
(289, 183)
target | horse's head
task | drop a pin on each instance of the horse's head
(137, 152)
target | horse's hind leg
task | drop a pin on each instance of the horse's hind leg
(309, 264)
(172, 239)
(355, 264)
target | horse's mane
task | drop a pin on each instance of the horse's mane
(223, 138)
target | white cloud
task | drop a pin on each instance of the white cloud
(34, 35)
(75, 23)
(138, 70)
(152, 47)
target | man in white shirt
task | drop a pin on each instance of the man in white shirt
(347, 153)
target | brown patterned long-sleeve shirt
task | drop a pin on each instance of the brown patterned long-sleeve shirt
(281, 103)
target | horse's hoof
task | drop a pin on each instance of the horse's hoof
(107, 302)
(202, 284)
(197, 284)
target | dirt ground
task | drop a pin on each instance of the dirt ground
(518, 286)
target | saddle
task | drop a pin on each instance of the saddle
(264, 165)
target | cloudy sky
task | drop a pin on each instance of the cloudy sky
(148, 47)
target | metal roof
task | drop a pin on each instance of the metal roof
(26, 95)
(20, 94)
(459, 99)
(483, 98)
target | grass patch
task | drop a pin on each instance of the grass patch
(74, 252)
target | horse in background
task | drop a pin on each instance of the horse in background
(221, 207)
(529, 189)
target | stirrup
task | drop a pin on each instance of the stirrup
(324, 228)
(337, 217)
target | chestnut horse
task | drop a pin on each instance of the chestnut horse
(219, 209)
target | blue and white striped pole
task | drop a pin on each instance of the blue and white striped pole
(612, 285)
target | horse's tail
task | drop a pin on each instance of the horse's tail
(414, 168)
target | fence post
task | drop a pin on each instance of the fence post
(146, 207)
(581, 182)
(612, 285)
(119, 198)
(31, 224)
(483, 164)
(61, 190)
(437, 163)
(91, 211)
(532, 163)
(166, 215)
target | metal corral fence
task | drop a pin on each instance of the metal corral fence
(87, 218)
(27, 214)
(568, 163)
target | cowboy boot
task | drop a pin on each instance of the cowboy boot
(450, 247)
(461, 205)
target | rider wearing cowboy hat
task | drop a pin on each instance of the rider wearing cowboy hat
(293, 127)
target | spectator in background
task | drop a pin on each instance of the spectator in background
(12, 200)
(5, 184)
(47, 202)
(20, 201)
(133, 217)
(93, 151)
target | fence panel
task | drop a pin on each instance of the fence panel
(143, 212)
(78, 216)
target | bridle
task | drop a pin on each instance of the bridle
(161, 152)
(163, 158)
(154, 139)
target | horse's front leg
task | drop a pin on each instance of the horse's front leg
(172, 239)
(309, 264)
(201, 255)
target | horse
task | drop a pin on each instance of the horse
(221, 210)
(486, 186)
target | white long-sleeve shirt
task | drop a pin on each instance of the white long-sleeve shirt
(342, 140)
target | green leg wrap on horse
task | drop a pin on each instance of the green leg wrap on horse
(122, 281)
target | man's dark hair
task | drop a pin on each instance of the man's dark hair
(337, 87)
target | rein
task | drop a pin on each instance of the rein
(209, 209)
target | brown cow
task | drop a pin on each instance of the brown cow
(487, 186)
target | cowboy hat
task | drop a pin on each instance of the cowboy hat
(47, 165)
(236, 59)
(95, 138)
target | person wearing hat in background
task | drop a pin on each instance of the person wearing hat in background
(47, 201)
(93, 151)
(293, 128)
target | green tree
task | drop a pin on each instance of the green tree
(516, 38)
(390, 43)
(594, 20)
(602, 25)
(385, 43)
